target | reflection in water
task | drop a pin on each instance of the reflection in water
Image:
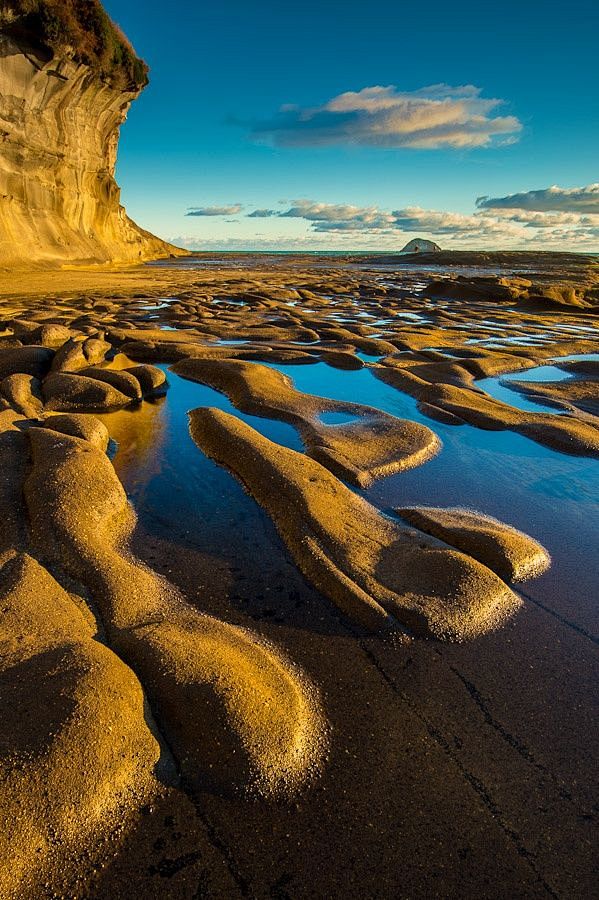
(194, 519)
(549, 495)
(337, 418)
(353, 386)
(139, 434)
(500, 389)
(176, 490)
(553, 497)
(506, 455)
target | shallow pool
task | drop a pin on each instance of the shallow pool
(500, 389)
(181, 494)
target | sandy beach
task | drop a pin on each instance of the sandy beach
(298, 583)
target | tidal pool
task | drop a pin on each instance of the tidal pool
(549, 495)
(162, 304)
(355, 386)
(553, 497)
(155, 455)
(500, 389)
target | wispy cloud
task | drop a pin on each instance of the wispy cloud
(262, 214)
(214, 210)
(274, 242)
(439, 116)
(501, 227)
(551, 199)
(347, 225)
(338, 217)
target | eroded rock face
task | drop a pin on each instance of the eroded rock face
(59, 125)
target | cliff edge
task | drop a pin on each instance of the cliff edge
(63, 97)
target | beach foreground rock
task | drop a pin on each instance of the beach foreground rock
(513, 555)
(381, 574)
(224, 729)
(371, 445)
(236, 713)
(564, 433)
(79, 754)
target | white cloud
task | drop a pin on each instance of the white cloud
(429, 118)
(533, 219)
(492, 228)
(214, 210)
(262, 214)
(339, 217)
(369, 227)
(551, 199)
(413, 218)
(329, 217)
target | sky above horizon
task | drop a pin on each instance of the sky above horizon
(345, 125)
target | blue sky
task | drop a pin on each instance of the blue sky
(363, 168)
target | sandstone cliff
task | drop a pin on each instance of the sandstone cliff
(59, 131)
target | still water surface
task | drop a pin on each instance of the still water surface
(551, 496)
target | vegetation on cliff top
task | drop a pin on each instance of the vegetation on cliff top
(81, 29)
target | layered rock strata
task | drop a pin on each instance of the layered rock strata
(59, 133)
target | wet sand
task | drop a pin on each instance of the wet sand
(412, 764)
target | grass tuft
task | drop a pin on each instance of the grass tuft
(81, 29)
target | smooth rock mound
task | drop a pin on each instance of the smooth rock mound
(420, 245)
(512, 554)
(79, 425)
(236, 713)
(50, 335)
(24, 393)
(579, 392)
(76, 755)
(373, 445)
(79, 353)
(65, 392)
(151, 379)
(378, 572)
(32, 360)
(122, 380)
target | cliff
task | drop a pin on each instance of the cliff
(59, 129)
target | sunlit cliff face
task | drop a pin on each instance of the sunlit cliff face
(60, 202)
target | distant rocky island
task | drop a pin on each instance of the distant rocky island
(67, 79)
(419, 245)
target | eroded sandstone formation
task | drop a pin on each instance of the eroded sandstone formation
(166, 684)
(59, 132)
